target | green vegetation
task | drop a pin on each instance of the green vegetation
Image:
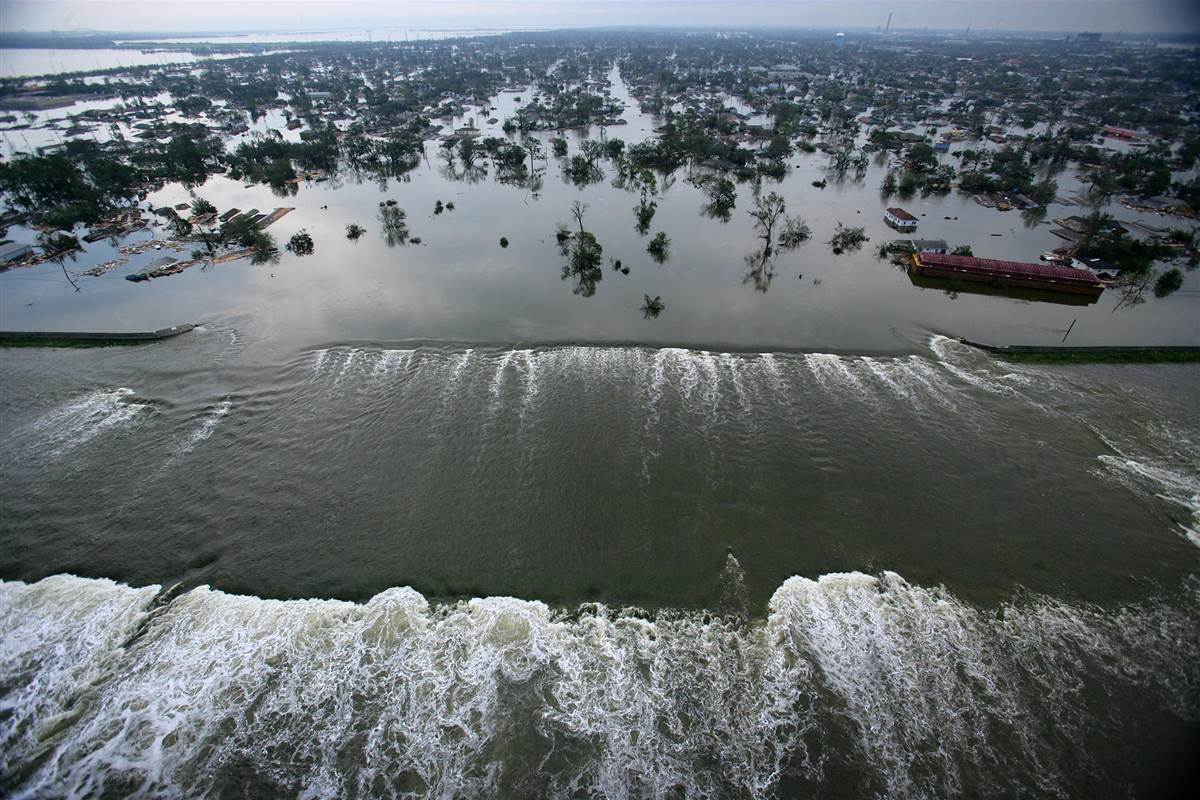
(793, 234)
(651, 308)
(394, 222)
(847, 239)
(1168, 283)
(301, 243)
(56, 244)
(720, 196)
(504, 241)
(354, 231)
(659, 247)
(583, 253)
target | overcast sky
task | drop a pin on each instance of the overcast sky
(1132, 16)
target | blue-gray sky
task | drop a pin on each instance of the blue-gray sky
(1131, 16)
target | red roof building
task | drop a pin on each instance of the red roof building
(1121, 133)
(1008, 273)
(900, 219)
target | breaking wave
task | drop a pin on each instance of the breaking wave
(869, 683)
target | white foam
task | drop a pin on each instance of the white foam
(389, 363)
(330, 698)
(1168, 483)
(347, 364)
(733, 365)
(208, 424)
(79, 421)
(58, 638)
(833, 374)
(529, 379)
(498, 377)
(319, 358)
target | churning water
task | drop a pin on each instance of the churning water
(1000, 596)
(899, 690)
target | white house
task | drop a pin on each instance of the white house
(900, 219)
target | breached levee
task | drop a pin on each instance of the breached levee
(707, 382)
(866, 683)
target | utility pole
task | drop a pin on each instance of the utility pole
(1068, 333)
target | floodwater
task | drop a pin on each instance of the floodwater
(422, 521)
(459, 285)
(25, 62)
(394, 34)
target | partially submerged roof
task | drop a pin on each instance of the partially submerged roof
(1001, 269)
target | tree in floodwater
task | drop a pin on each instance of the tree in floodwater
(652, 308)
(467, 151)
(262, 245)
(769, 212)
(533, 146)
(1168, 282)
(201, 207)
(644, 211)
(659, 247)
(354, 231)
(847, 239)
(58, 244)
(720, 195)
(301, 243)
(646, 183)
(793, 234)
(179, 227)
(395, 223)
(204, 225)
(583, 253)
(766, 212)
(889, 185)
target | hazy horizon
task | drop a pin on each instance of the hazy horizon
(213, 16)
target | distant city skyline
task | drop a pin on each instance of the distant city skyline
(191, 16)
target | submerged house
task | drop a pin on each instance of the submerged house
(900, 219)
(931, 246)
(921, 246)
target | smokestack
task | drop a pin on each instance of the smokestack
(888, 27)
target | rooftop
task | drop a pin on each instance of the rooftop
(900, 213)
(1010, 268)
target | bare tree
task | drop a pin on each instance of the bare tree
(533, 146)
(577, 211)
(766, 212)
